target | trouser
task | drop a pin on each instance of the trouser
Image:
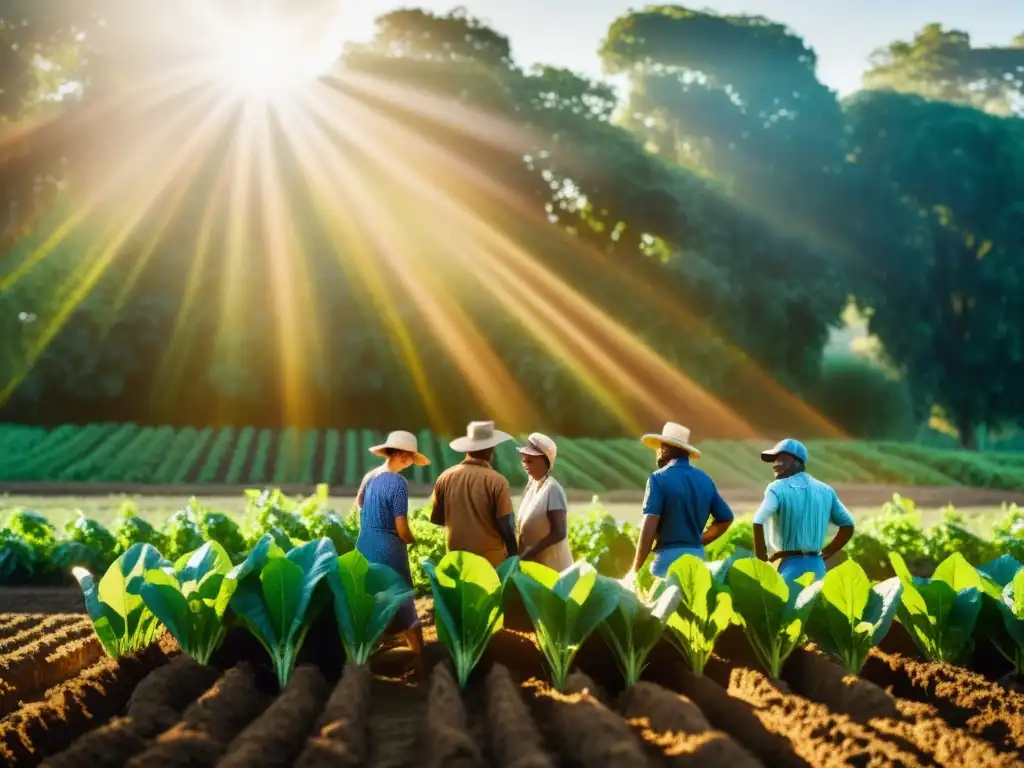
(792, 568)
(663, 558)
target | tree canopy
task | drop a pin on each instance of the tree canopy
(439, 232)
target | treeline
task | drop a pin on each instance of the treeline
(440, 233)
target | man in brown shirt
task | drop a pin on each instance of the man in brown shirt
(473, 501)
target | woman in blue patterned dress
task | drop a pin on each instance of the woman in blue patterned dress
(384, 533)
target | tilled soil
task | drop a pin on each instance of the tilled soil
(164, 709)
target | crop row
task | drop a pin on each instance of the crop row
(126, 453)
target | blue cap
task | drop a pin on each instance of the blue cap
(790, 446)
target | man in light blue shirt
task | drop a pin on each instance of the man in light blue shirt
(795, 515)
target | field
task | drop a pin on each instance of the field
(161, 708)
(119, 456)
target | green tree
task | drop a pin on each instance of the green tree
(944, 294)
(943, 64)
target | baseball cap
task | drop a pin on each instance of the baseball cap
(790, 446)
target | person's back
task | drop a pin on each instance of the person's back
(469, 499)
(804, 508)
(685, 498)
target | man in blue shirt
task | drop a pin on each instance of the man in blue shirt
(679, 501)
(795, 515)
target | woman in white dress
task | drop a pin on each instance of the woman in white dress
(541, 524)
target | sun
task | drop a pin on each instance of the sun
(261, 59)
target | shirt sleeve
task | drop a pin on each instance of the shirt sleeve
(721, 511)
(400, 499)
(839, 514)
(653, 498)
(503, 503)
(769, 507)
(556, 498)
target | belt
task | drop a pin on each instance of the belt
(796, 553)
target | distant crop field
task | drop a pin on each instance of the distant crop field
(128, 454)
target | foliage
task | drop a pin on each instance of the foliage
(564, 608)
(608, 542)
(191, 598)
(131, 529)
(704, 611)
(366, 597)
(86, 543)
(940, 613)
(864, 399)
(951, 535)
(635, 627)
(850, 616)
(1001, 618)
(121, 619)
(275, 596)
(468, 605)
(269, 510)
(773, 614)
(1008, 532)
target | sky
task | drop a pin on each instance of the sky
(842, 32)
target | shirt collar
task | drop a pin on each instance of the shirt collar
(476, 462)
(681, 461)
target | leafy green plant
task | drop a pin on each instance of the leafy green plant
(430, 546)
(216, 526)
(850, 617)
(181, 533)
(468, 605)
(191, 598)
(564, 608)
(132, 529)
(273, 596)
(634, 627)
(950, 535)
(1001, 619)
(17, 565)
(607, 543)
(704, 610)
(120, 617)
(270, 509)
(739, 537)
(940, 613)
(366, 597)
(1008, 532)
(772, 615)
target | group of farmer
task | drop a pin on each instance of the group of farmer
(474, 504)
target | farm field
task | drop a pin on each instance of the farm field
(161, 708)
(124, 455)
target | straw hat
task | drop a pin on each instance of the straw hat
(480, 435)
(540, 445)
(672, 434)
(401, 441)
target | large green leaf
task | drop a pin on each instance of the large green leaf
(1001, 570)
(634, 628)
(468, 609)
(282, 582)
(366, 598)
(564, 608)
(958, 573)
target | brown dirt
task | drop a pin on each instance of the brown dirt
(13, 623)
(396, 720)
(820, 679)
(278, 735)
(514, 739)
(44, 728)
(34, 629)
(584, 731)
(819, 736)
(208, 725)
(41, 600)
(963, 698)
(674, 728)
(153, 707)
(449, 741)
(45, 662)
(340, 738)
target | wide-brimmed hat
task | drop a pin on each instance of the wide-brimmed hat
(480, 435)
(793, 447)
(672, 434)
(401, 441)
(540, 445)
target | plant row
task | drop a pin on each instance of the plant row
(32, 551)
(279, 590)
(127, 453)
